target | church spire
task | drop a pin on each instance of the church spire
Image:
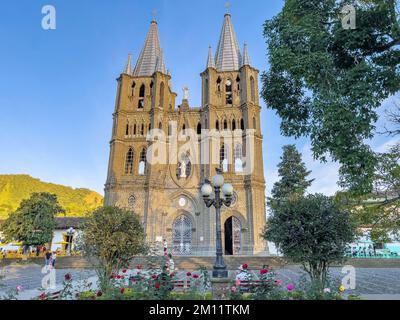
(210, 59)
(228, 56)
(160, 65)
(128, 66)
(246, 57)
(150, 54)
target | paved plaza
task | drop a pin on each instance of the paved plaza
(376, 283)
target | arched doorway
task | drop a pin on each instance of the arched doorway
(182, 235)
(233, 234)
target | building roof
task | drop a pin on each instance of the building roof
(210, 59)
(151, 55)
(65, 222)
(228, 56)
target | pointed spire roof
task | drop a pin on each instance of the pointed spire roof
(228, 56)
(246, 57)
(128, 66)
(160, 65)
(150, 54)
(210, 59)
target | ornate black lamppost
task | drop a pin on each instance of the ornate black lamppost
(219, 270)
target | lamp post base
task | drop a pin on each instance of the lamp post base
(220, 273)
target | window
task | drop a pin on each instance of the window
(223, 159)
(134, 129)
(225, 125)
(160, 126)
(127, 129)
(162, 95)
(133, 88)
(199, 128)
(184, 129)
(142, 130)
(206, 91)
(233, 125)
(252, 88)
(217, 125)
(219, 84)
(129, 161)
(238, 158)
(149, 127)
(241, 124)
(238, 83)
(228, 91)
(142, 162)
(142, 92)
(254, 123)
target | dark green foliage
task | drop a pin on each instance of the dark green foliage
(326, 82)
(34, 220)
(312, 231)
(293, 174)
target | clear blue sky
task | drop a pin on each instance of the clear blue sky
(57, 87)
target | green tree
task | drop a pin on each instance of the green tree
(111, 238)
(293, 175)
(312, 231)
(326, 82)
(33, 222)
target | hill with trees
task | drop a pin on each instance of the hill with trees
(15, 188)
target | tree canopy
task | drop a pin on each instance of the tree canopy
(34, 220)
(326, 82)
(293, 175)
(313, 231)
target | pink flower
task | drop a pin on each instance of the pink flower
(124, 270)
(263, 271)
(42, 296)
(20, 288)
(139, 267)
(195, 276)
(245, 266)
(238, 282)
(278, 282)
(233, 289)
(154, 276)
(290, 287)
(172, 275)
(68, 277)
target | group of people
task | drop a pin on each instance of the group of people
(50, 259)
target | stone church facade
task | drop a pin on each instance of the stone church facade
(166, 193)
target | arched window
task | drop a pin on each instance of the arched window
(206, 91)
(133, 88)
(142, 92)
(219, 84)
(162, 95)
(241, 124)
(228, 91)
(142, 130)
(252, 88)
(233, 125)
(160, 126)
(199, 128)
(254, 123)
(129, 162)
(184, 129)
(223, 158)
(217, 125)
(238, 83)
(127, 129)
(142, 162)
(238, 158)
(134, 129)
(225, 125)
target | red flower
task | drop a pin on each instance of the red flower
(42, 296)
(99, 293)
(195, 276)
(68, 277)
(124, 270)
(157, 285)
(154, 276)
(189, 274)
(122, 290)
(172, 275)
(263, 271)
(139, 267)
(245, 266)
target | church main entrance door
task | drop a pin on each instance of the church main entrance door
(182, 236)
